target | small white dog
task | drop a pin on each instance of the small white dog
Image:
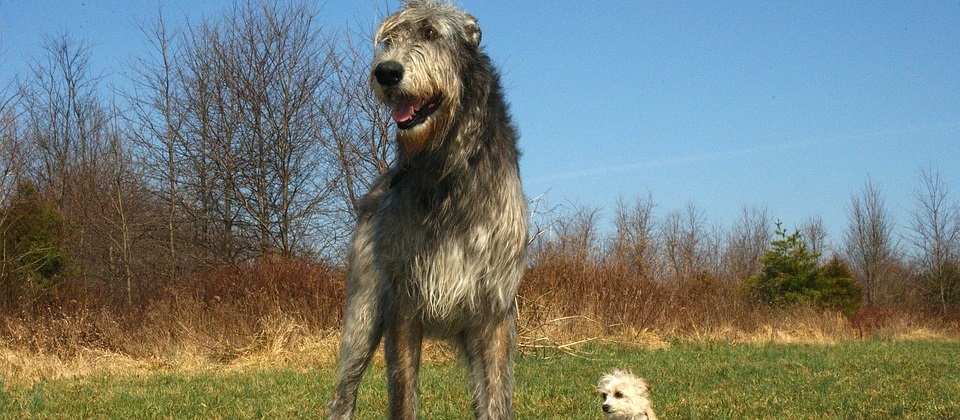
(625, 397)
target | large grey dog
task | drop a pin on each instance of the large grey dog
(440, 240)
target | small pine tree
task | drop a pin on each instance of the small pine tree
(790, 276)
(789, 271)
(838, 290)
(32, 236)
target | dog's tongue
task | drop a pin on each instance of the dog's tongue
(404, 109)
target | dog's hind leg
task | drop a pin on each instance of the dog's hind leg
(489, 350)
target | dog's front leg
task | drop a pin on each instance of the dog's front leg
(489, 351)
(403, 339)
(362, 322)
(362, 329)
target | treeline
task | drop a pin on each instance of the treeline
(228, 165)
(236, 138)
(653, 264)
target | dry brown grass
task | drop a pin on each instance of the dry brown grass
(278, 309)
(281, 312)
(568, 299)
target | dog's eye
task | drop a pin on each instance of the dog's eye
(618, 395)
(603, 395)
(384, 43)
(429, 33)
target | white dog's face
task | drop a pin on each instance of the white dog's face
(624, 396)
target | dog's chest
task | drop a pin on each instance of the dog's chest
(453, 250)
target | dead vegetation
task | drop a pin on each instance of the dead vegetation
(286, 312)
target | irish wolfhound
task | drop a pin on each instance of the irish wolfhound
(625, 397)
(440, 239)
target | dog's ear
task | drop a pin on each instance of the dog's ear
(645, 385)
(472, 30)
(603, 383)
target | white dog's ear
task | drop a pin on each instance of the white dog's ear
(608, 381)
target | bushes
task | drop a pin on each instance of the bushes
(269, 284)
(220, 313)
(36, 269)
(837, 288)
(941, 284)
(790, 276)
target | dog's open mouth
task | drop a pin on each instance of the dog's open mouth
(411, 112)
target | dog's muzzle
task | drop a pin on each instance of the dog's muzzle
(407, 112)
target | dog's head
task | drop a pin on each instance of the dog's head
(422, 54)
(624, 396)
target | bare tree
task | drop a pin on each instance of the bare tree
(205, 180)
(572, 236)
(815, 236)
(255, 175)
(276, 66)
(687, 245)
(714, 248)
(358, 126)
(746, 242)
(80, 164)
(65, 119)
(119, 223)
(157, 121)
(869, 243)
(935, 227)
(12, 164)
(12, 153)
(635, 244)
(260, 130)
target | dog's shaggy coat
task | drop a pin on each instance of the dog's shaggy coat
(440, 240)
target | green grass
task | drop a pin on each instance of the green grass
(873, 379)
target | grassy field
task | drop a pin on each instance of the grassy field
(853, 379)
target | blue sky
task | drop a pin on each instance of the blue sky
(788, 106)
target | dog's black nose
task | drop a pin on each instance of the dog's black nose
(606, 408)
(388, 73)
